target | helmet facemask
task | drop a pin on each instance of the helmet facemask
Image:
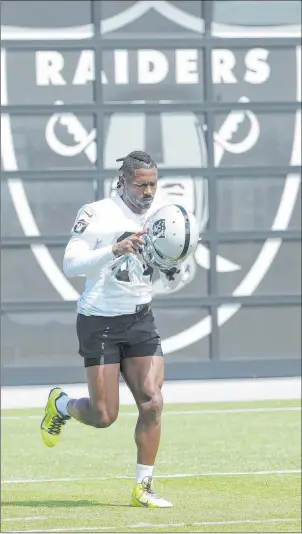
(153, 257)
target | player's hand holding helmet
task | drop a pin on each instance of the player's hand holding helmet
(172, 235)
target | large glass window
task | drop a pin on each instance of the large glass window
(49, 76)
(48, 142)
(176, 19)
(53, 206)
(28, 19)
(266, 333)
(30, 340)
(35, 275)
(251, 14)
(249, 138)
(153, 75)
(273, 268)
(258, 73)
(223, 200)
(252, 203)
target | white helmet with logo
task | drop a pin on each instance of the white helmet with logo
(172, 235)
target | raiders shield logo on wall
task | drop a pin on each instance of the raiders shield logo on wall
(242, 138)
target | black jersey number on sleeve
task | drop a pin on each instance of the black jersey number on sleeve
(123, 275)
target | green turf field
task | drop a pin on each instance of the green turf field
(244, 469)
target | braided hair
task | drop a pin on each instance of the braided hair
(135, 160)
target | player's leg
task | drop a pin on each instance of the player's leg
(143, 369)
(142, 366)
(100, 410)
(144, 377)
(102, 364)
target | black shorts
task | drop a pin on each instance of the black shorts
(104, 340)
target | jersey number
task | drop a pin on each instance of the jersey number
(123, 275)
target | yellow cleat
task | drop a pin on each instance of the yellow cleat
(53, 422)
(143, 496)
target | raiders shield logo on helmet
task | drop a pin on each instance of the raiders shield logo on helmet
(242, 138)
(159, 229)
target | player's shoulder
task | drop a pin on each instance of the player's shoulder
(99, 208)
(93, 215)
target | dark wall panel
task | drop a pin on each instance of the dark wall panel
(251, 188)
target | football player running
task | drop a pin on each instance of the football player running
(115, 324)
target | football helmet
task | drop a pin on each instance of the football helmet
(172, 235)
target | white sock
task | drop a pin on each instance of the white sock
(61, 404)
(143, 471)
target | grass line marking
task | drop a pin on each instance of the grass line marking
(33, 518)
(169, 525)
(176, 475)
(180, 412)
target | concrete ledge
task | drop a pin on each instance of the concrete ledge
(178, 391)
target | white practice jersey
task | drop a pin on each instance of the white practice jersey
(98, 226)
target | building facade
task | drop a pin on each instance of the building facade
(212, 90)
